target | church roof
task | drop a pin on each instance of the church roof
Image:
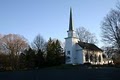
(89, 46)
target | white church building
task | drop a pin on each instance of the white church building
(77, 52)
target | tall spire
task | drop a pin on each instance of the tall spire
(70, 21)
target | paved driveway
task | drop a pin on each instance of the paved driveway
(64, 74)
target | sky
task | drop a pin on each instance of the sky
(50, 18)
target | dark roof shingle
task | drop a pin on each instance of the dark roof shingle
(89, 46)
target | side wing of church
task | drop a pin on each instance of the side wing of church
(77, 52)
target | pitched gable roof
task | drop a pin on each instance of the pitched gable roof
(89, 46)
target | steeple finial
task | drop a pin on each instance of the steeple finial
(70, 21)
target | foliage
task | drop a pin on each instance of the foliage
(39, 46)
(85, 36)
(111, 28)
(109, 51)
(116, 59)
(111, 32)
(38, 43)
(30, 58)
(13, 44)
(16, 55)
(40, 59)
(4, 61)
(22, 61)
(54, 52)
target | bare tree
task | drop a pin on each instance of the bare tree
(108, 51)
(1, 36)
(13, 44)
(39, 43)
(0, 42)
(111, 28)
(85, 36)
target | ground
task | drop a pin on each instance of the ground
(74, 73)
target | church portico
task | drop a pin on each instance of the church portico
(93, 57)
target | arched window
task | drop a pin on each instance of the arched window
(86, 57)
(91, 57)
(68, 52)
(96, 58)
(99, 58)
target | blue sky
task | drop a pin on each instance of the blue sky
(50, 18)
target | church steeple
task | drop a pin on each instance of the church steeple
(71, 32)
(70, 43)
(70, 21)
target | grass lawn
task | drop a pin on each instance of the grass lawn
(64, 72)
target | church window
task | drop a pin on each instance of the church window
(95, 58)
(91, 57)
(68, 58)
(68, 52)
(87, 57)
(99, 58)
